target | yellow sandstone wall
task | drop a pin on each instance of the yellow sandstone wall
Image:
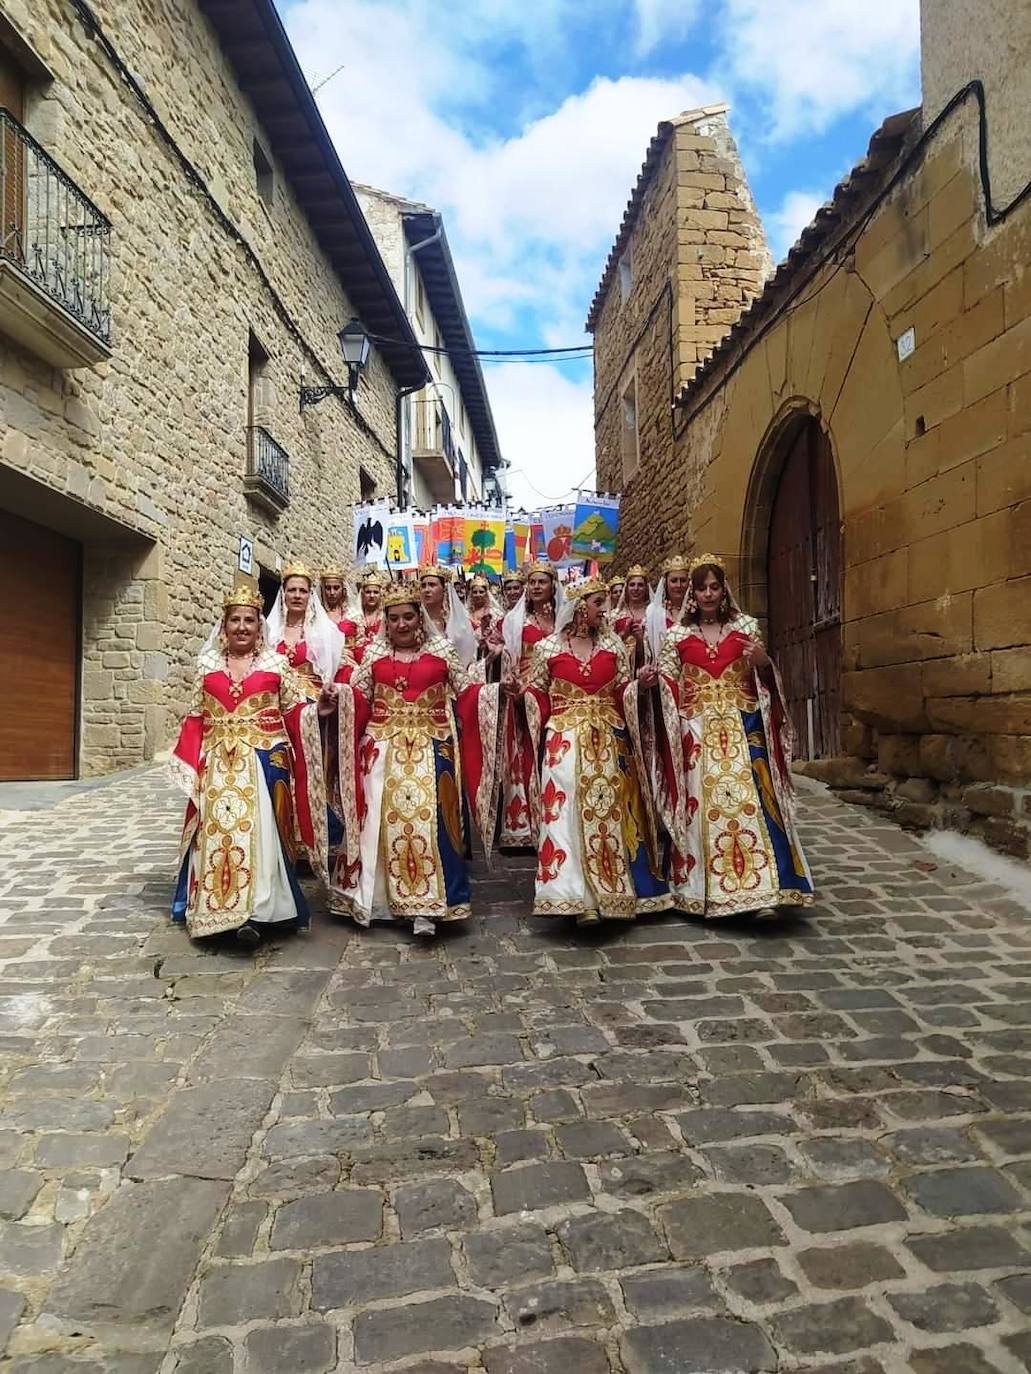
(934, 481)
(698, 257)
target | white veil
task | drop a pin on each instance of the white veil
(213, 645)
(655, 616)
(324, 641)
(515, 620)
(459, 627)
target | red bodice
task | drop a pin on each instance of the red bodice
(599, 677)
(296, 655)
(413, 678)
(219, 685)
(694, 652)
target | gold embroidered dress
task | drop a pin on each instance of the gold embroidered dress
(248, 758)
(409, 859)
(724, 782)
(595, 837)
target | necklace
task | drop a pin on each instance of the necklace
(236, 684)
(401, 679)
(712, 645)
(585, 663)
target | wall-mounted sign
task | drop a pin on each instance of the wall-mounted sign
(245, 561)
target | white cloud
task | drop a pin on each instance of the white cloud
(786, 223)
(546, 420)
(810, 61)
(531, 215)
(663, 21)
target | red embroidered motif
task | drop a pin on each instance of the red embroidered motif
(515, 812)
(369, 753)
(552, 801)
(556, 749)
(549, 861)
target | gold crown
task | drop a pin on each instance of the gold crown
(297, 570)
(676, 563)
(587, 587)
(437, 570)
(702, 560)
(372, 577)
(515, 575)
(243, 596)
(617, 581)
(401, 594)
(540, 565)
(332, 570)
(479, 580)
(638, 570)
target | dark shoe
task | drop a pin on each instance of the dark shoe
(248, 934)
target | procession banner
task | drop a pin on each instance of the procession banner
(447, 536)
(484, 542)
(370, 534)
(595, 524)
(537, 542)
(558, 534)
(517, 543)
(421, 528)
(400, 542)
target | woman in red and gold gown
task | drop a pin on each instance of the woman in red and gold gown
(629, 618)
(531, 620)
(248, 758)
(423, 732)
(300, 630)
(724, 776)
(596, 853)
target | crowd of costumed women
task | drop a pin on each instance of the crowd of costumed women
(634, 736)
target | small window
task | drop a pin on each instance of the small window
(420, 300)
(263, 175)
(629, 438)
(366, 484)
(257, 381)
(626, 273)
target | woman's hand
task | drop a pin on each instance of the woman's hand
(510, 687)
(327, 702)
(756, 656)
(648, 676)
(637, 630)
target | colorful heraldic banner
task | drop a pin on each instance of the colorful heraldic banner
(595, 525)
(537, 541)
(423, 547)
(517, 542)
(370, 534)
(558, 535)
(447, 536)
(400, 542)
(484, 542)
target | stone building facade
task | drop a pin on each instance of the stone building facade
(855, 448)
(690, 254)
(448, 438)
(149, 396)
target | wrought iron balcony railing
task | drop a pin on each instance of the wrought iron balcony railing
(52, 232)
(268, 470)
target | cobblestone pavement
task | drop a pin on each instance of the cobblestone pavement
(667, 1147)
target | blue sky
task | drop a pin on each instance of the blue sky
(525, 123)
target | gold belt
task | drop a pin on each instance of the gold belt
(392, 714)
(257, 722)
(732, 691)
(571, 707)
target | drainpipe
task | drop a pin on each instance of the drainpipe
(402, 413)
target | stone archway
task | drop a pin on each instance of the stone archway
(792, 552)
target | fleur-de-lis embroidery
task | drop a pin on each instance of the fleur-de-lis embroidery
(552, 801)
(550, 859)
(556, 749)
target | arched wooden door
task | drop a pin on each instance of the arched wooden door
(804, 589)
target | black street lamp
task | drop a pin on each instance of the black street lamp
(354, 345)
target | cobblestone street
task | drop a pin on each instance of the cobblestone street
(670, 1147)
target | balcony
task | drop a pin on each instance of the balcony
(267, 481)
(433, 448)
(54, 257)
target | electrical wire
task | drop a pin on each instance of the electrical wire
(491, 354)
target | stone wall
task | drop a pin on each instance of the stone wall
(698, 255)
(934, 483)
(155, 439)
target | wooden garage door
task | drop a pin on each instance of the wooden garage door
(804, 590)
(39, 651)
